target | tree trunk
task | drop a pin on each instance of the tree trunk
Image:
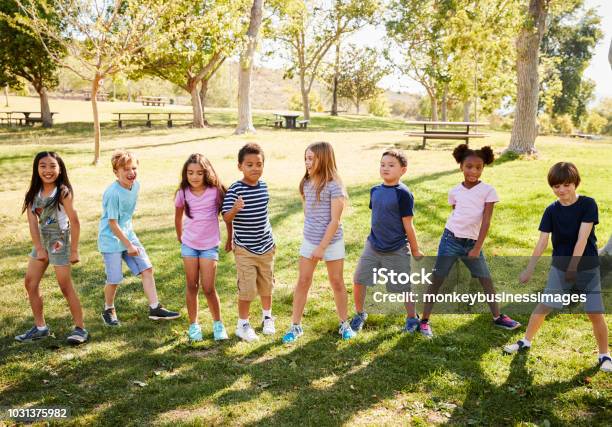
(357, 106)
(45, 110)
(196, 105)
(6, 96)
(203, 92)
(466, 111)
(245, 114)
(524, 129)
(445, 104)
(95, 85)
(305, 99)
(434, 108)
(129, 91)
(334, 108)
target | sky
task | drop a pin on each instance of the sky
(599, 70)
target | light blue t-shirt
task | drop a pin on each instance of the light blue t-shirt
(117, 203)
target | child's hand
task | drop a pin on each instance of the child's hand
(132, 250)
(474, 253)
(42, 255)
(570, 276)
(238, 204)
(418, 255)
(74, 257)
(525, 276)
(229, 245)
(318, 253)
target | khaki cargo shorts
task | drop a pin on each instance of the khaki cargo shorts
(255, 273)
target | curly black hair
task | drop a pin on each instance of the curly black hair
(462, 152)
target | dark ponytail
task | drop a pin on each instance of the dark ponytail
(462, 152)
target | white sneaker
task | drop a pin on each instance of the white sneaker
(246, 332)
(516, 347)
(605, 364)
(268, 326)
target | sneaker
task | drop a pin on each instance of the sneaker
(516, 347)
(109, 316)
(605, 364)
(412, 325)
(219, 332)
(268, 326)
(293, 334)
(425, 329)
(358, 320)
(346, 331)
(246, 332)
(194, 332)
(160, 313)
(33, 335)
(77, 336)
(506, 322)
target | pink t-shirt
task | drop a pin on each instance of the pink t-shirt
(201, 231)
(466, 218)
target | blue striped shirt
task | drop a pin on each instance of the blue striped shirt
(252, 228)
(317, 213)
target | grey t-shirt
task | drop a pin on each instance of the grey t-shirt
(317, 213)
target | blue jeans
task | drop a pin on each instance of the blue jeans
(451, 249)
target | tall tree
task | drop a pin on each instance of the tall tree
(358, 74)
(101, 35)
(22, 55)
(202, 36)
(570, 41)
(245, 115)
(310, 28)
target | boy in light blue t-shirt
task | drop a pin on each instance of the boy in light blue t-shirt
(117, 241)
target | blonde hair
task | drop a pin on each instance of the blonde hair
(323, 169)
(121, 158)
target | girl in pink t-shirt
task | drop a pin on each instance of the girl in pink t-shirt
(465, 232)
(198, 203)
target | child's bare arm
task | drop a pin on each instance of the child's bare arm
(229, 244)
(583, 236)
(484, 228)
(411, 235)
(337, 205)
(75, 227)
(114, 226)
(539, 249)
(178, 222)
(41, 253)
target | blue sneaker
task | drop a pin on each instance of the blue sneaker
(346, 331)
(358, 320)
(293, 334)
(219, 332)
(194, 332)
(412, 325)
(33, 335)
(506, 322)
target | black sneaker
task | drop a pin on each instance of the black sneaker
(160, 313)
(109, 316)
(33, 335)
(77, 336)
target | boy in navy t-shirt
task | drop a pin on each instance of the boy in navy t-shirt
(571, 221)
(386, 249)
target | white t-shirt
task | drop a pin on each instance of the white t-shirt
(466, 218)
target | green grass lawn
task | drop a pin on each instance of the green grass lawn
(381, 377)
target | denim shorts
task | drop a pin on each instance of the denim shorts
(57, 244)
(113, 263)
(333, 252)
(451, 249)
(588, 283)
(189, 252)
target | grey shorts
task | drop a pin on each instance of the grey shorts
(373, 264)
(57, 245)
(588, 283)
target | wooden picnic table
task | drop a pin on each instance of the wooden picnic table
(435, 133)
(159, 101)
(290, 119)
(149, 117)
(29, 117)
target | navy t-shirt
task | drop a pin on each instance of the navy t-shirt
(563, 222)
(389, 205)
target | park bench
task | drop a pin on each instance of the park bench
(276, 122)
(148, 118)
(434, 133)
(585, 136)
(158, 101)
(303, 123)
(25, 118)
